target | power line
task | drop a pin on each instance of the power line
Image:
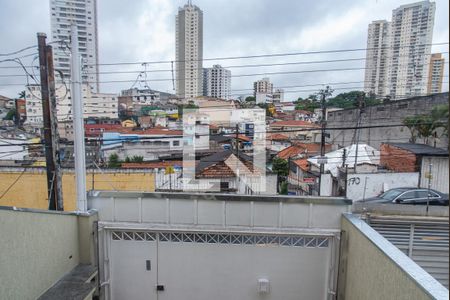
(267, 55)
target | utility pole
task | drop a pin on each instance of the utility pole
(78, 121)
(51, 155)
(344, 157)
(361, 107)
(430, 176)
(324, 94)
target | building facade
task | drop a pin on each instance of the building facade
(435, 73)
(84, 14)
(217, 82)
(411, 38)
(189, 51)
(99, 105)
(398, 52)
(375, 79)
(263, 86)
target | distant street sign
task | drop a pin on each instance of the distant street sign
(309, 180)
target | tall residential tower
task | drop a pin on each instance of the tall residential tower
(217, 82)
(84, 14)
(376, 74)
(435, 73)
(411, 38)
(189, 51)
(398, 52)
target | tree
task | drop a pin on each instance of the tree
(10, 115)
(427, 125)
(284, 188)
(280, 166)
(250, 99)
(351, 99)
(137, 159)
(114, 161)
(22, 95)
(439, 115)
(307, 104)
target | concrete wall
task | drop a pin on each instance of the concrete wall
(372, 268)
(384, 114)
(30, 191)
(37, 249)
(375, 183)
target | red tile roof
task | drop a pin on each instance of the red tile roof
(277, 137)
(309, 149)
(244, 138)
(291, 151)
(302, 164)
(151, 131)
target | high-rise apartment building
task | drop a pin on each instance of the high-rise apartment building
(399, 51)
(435, 73)
(376, 73)
(217, 82)
(189, 51)
(263, 86)
(84, 14)
(411, 38)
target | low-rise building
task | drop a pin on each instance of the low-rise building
(407, 157)
(151, 144)
(300, 130)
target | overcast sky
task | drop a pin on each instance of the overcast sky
(144, 30)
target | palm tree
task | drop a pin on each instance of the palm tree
(22, 94)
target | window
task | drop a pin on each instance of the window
(224, 186)
(176, 143)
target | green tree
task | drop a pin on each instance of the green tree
(427, 125)
(351, 99)
(439, 115)
(284, 188)
(127, 159)
(22, 95)
(137, 159)
(114, 161)
(280, 166)
(10, 115)
(307, 104)
(250, 99)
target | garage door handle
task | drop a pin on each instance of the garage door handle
(160, 287)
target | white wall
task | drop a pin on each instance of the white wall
(439, 171)
(377, 183)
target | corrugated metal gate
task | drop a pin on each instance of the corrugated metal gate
(424, 240)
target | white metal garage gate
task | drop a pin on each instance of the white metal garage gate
(236, 258)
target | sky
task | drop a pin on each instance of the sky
(144, 30)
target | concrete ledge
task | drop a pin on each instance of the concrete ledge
(224, 197)
(419, 276)
(76, 285)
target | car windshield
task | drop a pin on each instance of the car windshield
(391, 194)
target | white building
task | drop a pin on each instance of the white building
(435, 73)
(189, 51)
(398, 54)
(263, 86)
(411, 38)
(84, 14)
(217, 82)
(376, 74)
(99, 105)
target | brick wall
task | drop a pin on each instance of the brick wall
(398, 160)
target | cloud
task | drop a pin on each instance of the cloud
(144, 30)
